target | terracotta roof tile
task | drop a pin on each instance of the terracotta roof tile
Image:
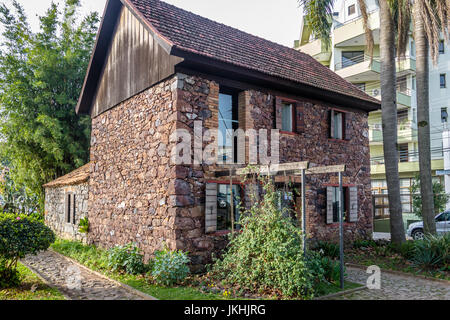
(78, 176)
(192, 33)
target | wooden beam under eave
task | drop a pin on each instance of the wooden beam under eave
(325, 170)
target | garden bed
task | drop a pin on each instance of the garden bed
(195, 287)
(31, 288)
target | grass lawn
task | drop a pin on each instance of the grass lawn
(96, 259)
(32, 288)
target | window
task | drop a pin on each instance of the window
(350, 58)
(413, 48)
(336, 202)
(287, 117)
(228, 121)
(444, 217)
(286, 200)
(70, 208)
(403, 152)
(402, 84)
(441, 47)
(444, 115)
(414, 83)
(337, 125)
(351, 9)
(361, 86)
(402, 116)
(443, 81)
(224, 206)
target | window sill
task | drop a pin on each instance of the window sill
(289, 133)
(338, 140)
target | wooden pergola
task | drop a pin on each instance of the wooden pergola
(294, 169)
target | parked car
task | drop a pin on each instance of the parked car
(415, 230)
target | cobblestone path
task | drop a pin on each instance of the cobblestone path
(75, 282)
(396, 287)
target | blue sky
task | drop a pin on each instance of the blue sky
(275, 20)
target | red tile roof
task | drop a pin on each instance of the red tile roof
(195, 34)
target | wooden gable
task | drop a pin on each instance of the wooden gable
(135, 61)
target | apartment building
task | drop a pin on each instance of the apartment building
(348, 57)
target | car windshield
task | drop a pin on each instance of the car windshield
(444, 216)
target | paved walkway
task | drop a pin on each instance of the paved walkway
(75, 282)
(396, 287)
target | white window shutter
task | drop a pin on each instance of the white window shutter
(353, 204)
(211, 208)
(330, 194)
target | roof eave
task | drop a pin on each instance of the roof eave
(200, 61)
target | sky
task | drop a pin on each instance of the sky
(275, 20)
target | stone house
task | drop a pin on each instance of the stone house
(157, 69)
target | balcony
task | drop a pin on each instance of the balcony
(318, 50)
(407, 132)
(359, 69)
(352, 33)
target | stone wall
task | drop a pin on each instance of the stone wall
(131, 174)
(55, 216)
(137, 194)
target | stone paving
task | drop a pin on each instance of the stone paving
(75, 282)
(396, 287)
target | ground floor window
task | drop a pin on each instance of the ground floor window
(287, 200)
(336, 204)
(224, 214)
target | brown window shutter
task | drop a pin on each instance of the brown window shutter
(300, 117)
(353, 204)
(331, 122)
(278, 114)
(348, 126)
(211, 208)
(330, 205)
(73, 209)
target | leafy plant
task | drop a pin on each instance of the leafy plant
(170, 267)
(127, 259)
(328, 249)
(20, 235)
(267, 254)
(440, 197)
(84, 225)
(41, 76)
(432, 252)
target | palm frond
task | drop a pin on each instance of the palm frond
(319, 17)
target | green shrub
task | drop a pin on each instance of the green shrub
(170, 267)
(84, 225)
(328, 249)
(267, 254)
(127, 259)
(323, 268)
(20, 235)
(432, 252)
(406, 249)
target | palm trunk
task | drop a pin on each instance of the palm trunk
(423, 120)
(389, 116)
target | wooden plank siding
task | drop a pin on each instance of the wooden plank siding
(134, 63)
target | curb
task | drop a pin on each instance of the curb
(341, 293)
(124, 286)
(47, 283)
(400, 273)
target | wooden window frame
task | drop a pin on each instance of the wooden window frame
(346, 188)
(294, 104)
(344, 125)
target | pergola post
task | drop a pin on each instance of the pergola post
(341, 228)
(304, 209)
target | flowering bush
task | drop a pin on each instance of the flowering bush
(20, 235)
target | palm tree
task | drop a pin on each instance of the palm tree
(431, 17)
(318, 14)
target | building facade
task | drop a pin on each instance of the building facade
(348, 56)
(159, 74)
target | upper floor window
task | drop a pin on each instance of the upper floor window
(70, 208)
(441, 47)
(228, 122)
(287, 116)
(351, 9)
(350, 58)
(361, 86)
(443, 81)
(403, 152)
(444, 115)
(337, 125)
